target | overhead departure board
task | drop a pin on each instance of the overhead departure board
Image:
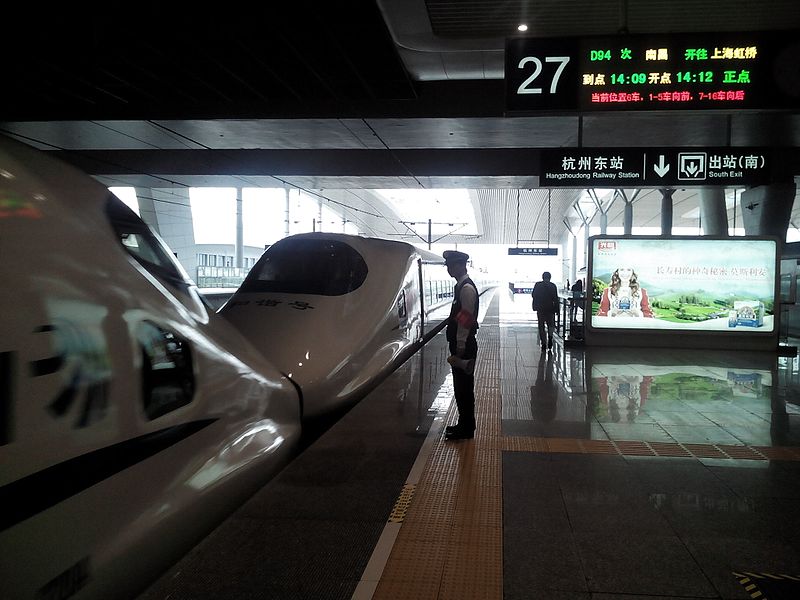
(711, 71)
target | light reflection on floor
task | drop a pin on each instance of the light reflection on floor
(645, 394)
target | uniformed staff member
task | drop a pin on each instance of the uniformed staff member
(462, 326)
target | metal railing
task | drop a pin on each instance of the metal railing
(220, 277)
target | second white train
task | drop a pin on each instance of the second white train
(335, 313)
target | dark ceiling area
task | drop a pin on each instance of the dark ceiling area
(353, 95)
(162, 60)
(309, 58)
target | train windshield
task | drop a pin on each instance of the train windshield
(141, 243)
(308, 266)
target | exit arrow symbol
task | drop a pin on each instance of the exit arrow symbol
(661, 169)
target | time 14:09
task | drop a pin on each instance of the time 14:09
(682, 77)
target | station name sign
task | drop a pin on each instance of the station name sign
(654, 167)
(519, 290)
(533, 251)
(697, 71)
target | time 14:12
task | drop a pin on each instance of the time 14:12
(699, 77)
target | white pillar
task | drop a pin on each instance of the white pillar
(574, 270)
(287, 221)
(239, 252)
(147, 208)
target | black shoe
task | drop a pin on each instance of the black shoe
(451, 428)
(549, 344)
(459, 435)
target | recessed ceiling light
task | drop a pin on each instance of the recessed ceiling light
(522, 27)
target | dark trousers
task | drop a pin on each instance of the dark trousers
(464, 388)
(546, 318)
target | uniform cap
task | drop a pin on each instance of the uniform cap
(453, 256)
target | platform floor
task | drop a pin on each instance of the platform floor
(595, 473)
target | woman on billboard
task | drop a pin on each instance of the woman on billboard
(624, 297)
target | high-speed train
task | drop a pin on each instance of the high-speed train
(336, 312)
(133, 418)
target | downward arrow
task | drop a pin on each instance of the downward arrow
(661, 169)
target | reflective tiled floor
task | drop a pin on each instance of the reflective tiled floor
(595, 473)
(620, 473)
(652, 395)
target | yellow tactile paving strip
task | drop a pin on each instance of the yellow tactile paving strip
(750, 583)
(402, 504)
(450, 544)
(639, 448)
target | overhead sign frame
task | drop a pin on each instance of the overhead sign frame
(533, 251)
(655, 167)
(690, 71)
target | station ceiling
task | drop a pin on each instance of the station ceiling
(342, 98)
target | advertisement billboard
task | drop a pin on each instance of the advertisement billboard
(725, 286)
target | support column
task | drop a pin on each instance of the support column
(174, 212)
(586, 242)
(430, 228)
(287, 221)
(766, 209)
(239, 253)
(573, 272)
(713, 211)
(602, 211)
(627, 219)
(666, 212)
(147, 208)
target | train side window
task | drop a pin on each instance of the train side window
(167, 372)
(141, 243)
(308, 266)
(139, 246)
